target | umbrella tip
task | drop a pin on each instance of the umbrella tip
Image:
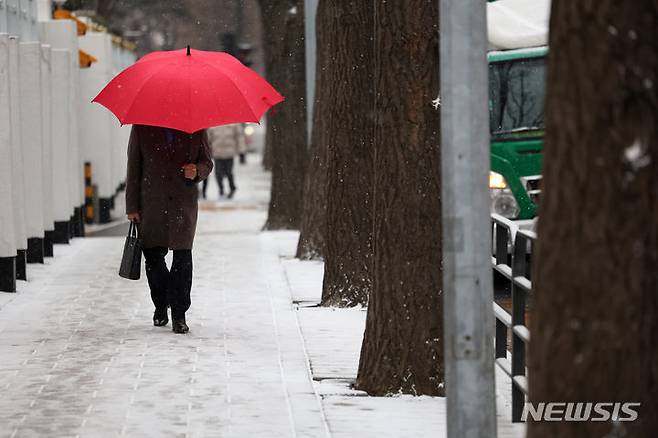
(188, 50)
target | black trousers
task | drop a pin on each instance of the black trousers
(169, 287)
(224, 168)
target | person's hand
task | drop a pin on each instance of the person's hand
(190, 171)
(134, 217)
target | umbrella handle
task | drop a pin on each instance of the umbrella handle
(191, 182)
(188, 50)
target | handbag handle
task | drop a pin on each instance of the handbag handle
(133, 229)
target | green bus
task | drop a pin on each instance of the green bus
(516, 109)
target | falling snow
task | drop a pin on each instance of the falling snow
(636, 155)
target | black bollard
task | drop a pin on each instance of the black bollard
(77, 226)
(7, 274)
(81, 219)
(35, 251)
(61, 233)
(21, 264)
(72, 226)
(48, 241)
(104, 206)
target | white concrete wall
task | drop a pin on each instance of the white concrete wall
(46, 136)
(3, 16)
(115, 134)
(62, 36)
(17, 145)
(123, 60)
(116, 125)
(47, 121)
(44, 10)
(29, 28)
(48, 125)
(60, 135)
(7, 232)
(122, 151)
(30, 95)
(75, 155)
(13, 17)
(96, 122)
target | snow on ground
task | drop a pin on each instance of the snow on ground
(81, 357)
(333, 342)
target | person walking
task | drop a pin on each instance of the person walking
(164, 167)
(226, 142)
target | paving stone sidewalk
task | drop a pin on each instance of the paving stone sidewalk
(80, 357)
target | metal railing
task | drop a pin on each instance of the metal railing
(512, 248)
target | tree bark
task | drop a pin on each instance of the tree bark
(403, 345)
(283, 23)
(273, 35)
(595, 323)
(267, 151)
(104, 8)
(349, 142)
(311, 244)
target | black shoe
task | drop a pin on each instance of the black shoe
(160, 318)
(231, 193)
(179, 326)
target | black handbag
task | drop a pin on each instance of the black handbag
(131, 262)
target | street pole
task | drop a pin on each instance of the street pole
(310, 9)
(467, 276)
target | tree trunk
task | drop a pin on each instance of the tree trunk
(267, 150)
(403, 345)
(283, 23)
(311, 245)
(595, 323)
(349, 143)
(104, 8)
(273, 35)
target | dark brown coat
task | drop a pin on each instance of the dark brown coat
(156, 187)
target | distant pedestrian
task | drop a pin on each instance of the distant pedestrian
(243, 144)
(226, 142)
(164, 167)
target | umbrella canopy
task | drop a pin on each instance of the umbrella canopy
(188, 90)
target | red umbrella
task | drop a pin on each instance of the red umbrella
(188, 90)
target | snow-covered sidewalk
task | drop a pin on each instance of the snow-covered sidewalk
(81, 358)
